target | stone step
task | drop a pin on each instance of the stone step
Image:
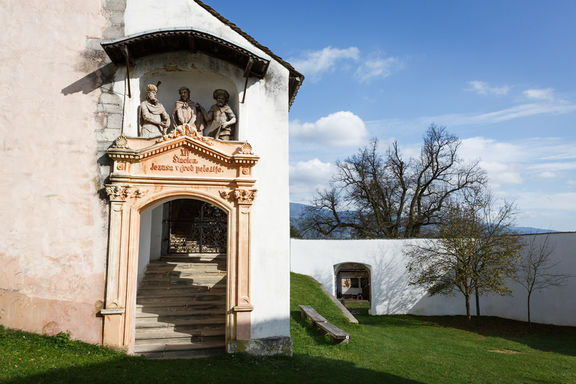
(198, 298)
(199, 275)
(189, 354)
(208, 269)
(186, 280)
(171, 291)
(191, 333)
(172, 347)
(195, 257)
(177, 282)
(177, 321)
(177, 310)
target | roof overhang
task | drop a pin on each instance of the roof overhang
(147, 43)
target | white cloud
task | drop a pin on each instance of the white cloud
(340, 129)
(554, 166)
(547, 210)
(461, 119)
(306, 177)
(540, 94)
(498, 159)
(374, 68)
(314, 63)
(483, 88)
(323, 60)
(547, 175)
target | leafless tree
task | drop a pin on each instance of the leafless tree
(536, 269)
(389, 196)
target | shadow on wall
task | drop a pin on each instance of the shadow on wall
(326, 278)
(92, 81)
(391, 293)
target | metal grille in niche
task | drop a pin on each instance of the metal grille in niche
(195, 226)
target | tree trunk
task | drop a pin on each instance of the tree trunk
(477, 302)
(529, 322)
(467, 297)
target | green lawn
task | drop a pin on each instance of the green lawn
(382, 349)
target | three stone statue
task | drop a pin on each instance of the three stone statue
(187, 115)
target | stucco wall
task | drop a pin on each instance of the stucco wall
(391, 293)
(53, 239)
(262, 120)
(61, 107)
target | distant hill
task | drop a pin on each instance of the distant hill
(296, 210)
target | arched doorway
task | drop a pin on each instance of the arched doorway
(353, 286)
(182, 280)
(216, 185)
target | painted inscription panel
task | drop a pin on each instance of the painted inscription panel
(187, 163)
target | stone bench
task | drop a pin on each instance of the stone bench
(336, 334)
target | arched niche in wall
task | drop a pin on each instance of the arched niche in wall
(202, 74)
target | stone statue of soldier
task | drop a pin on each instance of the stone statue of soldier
(187, 114)
(220, 116)
(154, 120)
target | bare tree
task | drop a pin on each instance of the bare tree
(388, 196)
(536, 269)
(473, 254)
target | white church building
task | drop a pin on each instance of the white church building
(144, 178)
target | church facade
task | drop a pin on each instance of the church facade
(145, 178)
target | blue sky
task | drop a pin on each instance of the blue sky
(501, 75)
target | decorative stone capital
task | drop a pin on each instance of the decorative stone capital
(120, 143)
(245, 149)
(240, 195)
(123, 192)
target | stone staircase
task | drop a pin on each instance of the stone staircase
(181, 307)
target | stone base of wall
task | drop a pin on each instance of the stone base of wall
(269, 346)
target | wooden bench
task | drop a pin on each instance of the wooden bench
(310, 313)
(336, 334)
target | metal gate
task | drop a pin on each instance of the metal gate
(194, 226)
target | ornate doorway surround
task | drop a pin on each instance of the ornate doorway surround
(149, 172)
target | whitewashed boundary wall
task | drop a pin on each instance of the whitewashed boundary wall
(391, 293)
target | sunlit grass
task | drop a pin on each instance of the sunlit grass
(382, 349)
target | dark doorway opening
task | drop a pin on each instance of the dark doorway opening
(193, 226)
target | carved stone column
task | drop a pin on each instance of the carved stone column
(243, 198)
(115, 301)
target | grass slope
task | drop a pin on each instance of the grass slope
(382, 349)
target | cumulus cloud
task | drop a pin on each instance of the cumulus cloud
(306, 177)
(315, 62)
(513, 163)
(540, 94)
(483, 88)
(375, 68)
(339, 129)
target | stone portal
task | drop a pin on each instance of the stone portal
(147, 173)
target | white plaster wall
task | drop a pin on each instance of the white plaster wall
(263, 121)
(156, 235)
(149, 15)
(391, 293)
(144, 242)
(53, 239)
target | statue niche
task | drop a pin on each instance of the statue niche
(188, 117)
